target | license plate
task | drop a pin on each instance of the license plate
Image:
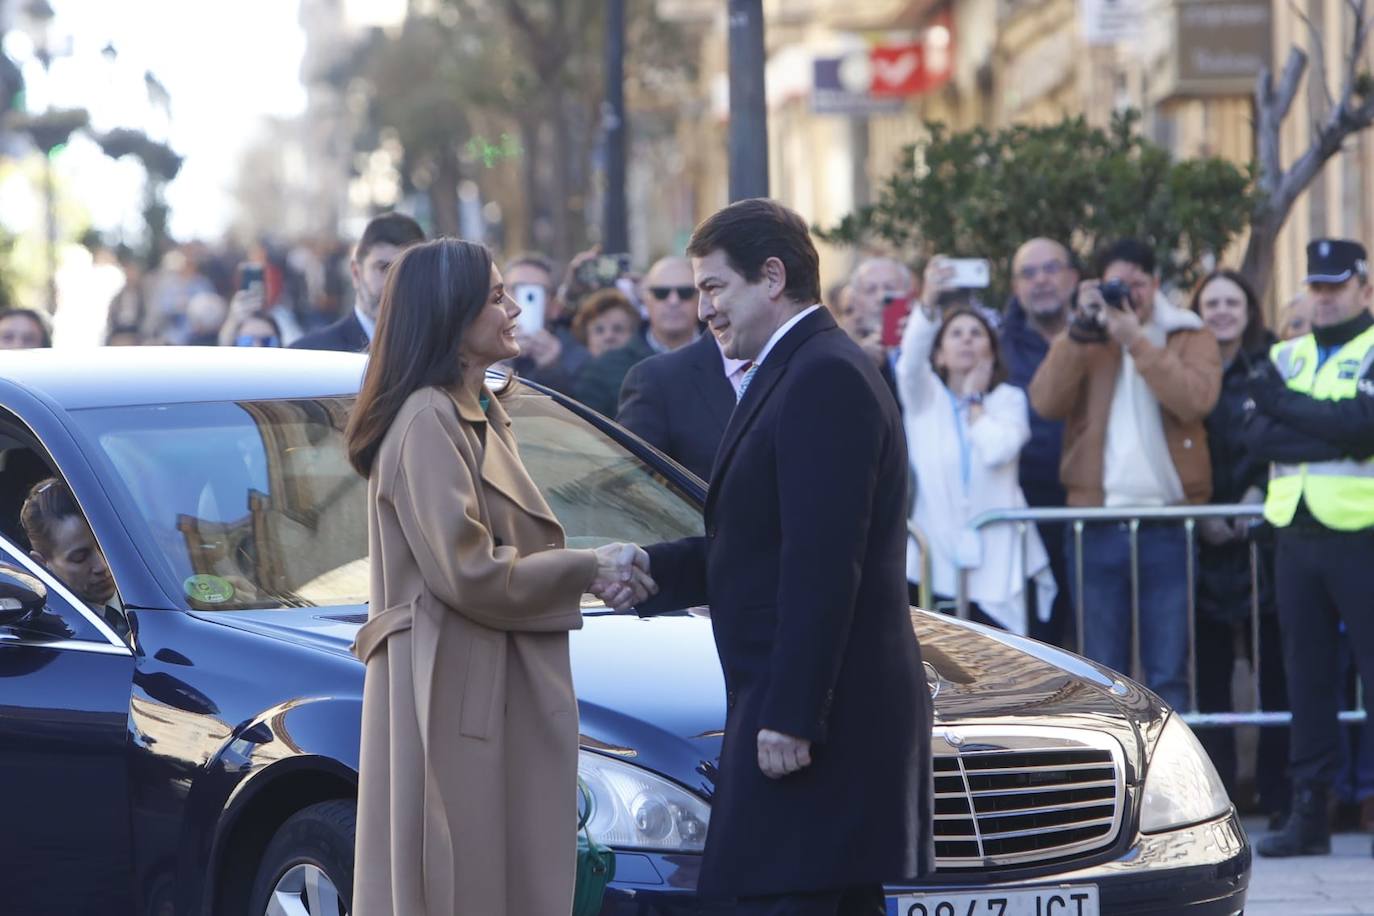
(1069, 900)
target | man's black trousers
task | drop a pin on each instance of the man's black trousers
(1324, 578)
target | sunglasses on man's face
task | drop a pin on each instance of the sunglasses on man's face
(685, 293)
(254, 340)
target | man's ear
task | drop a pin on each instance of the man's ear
(775, 274)
(38, 558)
(356, 270)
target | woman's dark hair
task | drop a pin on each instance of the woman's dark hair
(750, 232)
(1255, 334)
(598, 304)
(48, 503)
(38, 318)
(433, 292)
(999, 369)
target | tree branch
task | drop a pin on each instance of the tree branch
(1272, 105)
(1358, 40)
(1319, 55)
(1290, 81)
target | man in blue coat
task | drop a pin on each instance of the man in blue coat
(824, 787)
(1043, 282)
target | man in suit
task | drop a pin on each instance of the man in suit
(823, 789)
(679, 402)
(384, 238)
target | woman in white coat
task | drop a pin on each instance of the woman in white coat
(965, 426)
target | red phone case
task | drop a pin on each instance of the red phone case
(894, 313)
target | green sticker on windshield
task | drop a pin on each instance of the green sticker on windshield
(208, 589)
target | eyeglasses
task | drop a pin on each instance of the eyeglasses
(685, 293)
(253, 340)
(1050, 269)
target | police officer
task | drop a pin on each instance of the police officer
(1313, 417)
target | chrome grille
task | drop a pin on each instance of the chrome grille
(1016, 796)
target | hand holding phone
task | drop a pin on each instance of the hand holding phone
(896, 310)
(250, 275)
(533, 301)
(969, 273)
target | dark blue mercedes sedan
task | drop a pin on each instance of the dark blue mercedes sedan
(191, 745)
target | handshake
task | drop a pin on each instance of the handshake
(622, 576)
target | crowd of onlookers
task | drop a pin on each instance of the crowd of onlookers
(1091, 387)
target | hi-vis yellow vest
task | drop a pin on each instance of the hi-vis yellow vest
(1340, 494)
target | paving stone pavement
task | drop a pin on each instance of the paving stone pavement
(1340, 883)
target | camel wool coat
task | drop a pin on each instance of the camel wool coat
(467, 798)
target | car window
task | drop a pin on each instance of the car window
(599, 491)
(254, 504)
(60, 619)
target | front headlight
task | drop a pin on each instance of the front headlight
(1181, 785)
(634, 809)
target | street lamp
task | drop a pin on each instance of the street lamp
(49, 130)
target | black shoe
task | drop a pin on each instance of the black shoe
(1308, 831)
(1345, 818)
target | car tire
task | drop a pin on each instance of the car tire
(309, 860)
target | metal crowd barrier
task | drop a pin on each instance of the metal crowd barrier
(1187, 516)
(923, 545)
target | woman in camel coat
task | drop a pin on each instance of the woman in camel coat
(467, 798)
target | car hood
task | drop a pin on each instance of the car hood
(652, 689)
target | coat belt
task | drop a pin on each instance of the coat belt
(380, 627)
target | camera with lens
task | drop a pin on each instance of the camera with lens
(1087, 324)
(1116, 294)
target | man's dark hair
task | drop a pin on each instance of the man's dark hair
(752, 231)
(1128, 251)
(389, 229)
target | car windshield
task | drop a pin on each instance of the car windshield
(254, 504)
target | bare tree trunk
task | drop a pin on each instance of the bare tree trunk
(443, 194)
(1260, 251)
(560, 189)
(529, 181)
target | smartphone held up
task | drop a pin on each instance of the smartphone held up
(533, 301)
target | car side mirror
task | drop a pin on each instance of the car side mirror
(22, 595)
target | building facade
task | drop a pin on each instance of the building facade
(1188, 65)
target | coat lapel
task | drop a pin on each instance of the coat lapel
(502, 469)
(762, 385)
(709, 377)
(354, 335)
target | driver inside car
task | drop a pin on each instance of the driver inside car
(62, 541)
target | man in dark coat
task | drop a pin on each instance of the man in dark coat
(384, 238)
(679, 402)
(1043, 280)
(823, 790)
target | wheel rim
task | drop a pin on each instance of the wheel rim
(305, 890)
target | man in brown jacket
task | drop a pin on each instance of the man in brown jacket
(1133, 378)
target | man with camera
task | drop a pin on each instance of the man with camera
(1313, 417)
(1133, 378)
